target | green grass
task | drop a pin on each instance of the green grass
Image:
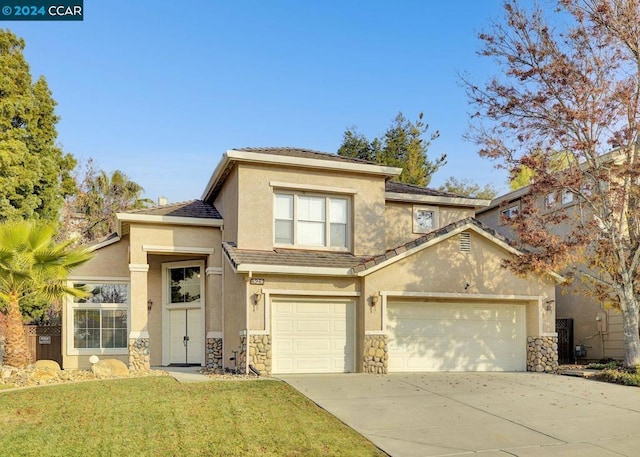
(160, 417)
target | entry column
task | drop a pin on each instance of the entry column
(139, 359)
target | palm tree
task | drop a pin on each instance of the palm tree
(32, 265)
(108, 194)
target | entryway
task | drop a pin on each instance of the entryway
(183, 321)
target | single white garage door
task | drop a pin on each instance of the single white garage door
(425, 336)
(313, 336)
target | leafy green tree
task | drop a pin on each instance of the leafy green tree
(468, 188)
(403, 145)
(32, 266)
(35, 175)
(91, 214)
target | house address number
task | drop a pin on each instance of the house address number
(44, 340)
(256, 281)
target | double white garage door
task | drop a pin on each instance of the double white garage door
(314, 336)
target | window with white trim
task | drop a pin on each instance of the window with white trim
(311, 221)
(100, 321)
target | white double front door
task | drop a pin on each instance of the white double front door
(186, 336)
(183, 314)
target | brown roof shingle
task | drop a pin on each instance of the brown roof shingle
(191, 208)
(402, 188)
(289, 257)
(305, 153)
(342, 260)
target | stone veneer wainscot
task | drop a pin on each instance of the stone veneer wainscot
(542, 354)
(139, 359)
(376, 357)
(214, 354)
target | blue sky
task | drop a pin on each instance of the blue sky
(161, 89)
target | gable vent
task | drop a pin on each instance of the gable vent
(465, 242)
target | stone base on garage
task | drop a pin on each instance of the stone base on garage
(260, 353)
(376, 357)
(542, 354)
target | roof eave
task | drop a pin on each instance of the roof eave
(293, 270)
(215, 176)
(172, 220)
(438, 200)
(233, 155)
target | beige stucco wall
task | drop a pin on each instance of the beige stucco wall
(235, 312)
(109, 262)
(443, 268)
(255, 204)
(226, 203)
(399, 220)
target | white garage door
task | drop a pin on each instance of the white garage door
(313, 336)
(456, 337)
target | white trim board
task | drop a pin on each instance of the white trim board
(292, 270)
(173, 220)
(312, 187)
(440, 200)
(311, 293)
(177, 249)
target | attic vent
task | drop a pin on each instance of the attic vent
(465, 242)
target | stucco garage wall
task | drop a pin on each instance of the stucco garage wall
(443, 268)
(235, 315)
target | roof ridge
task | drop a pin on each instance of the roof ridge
(267, 149)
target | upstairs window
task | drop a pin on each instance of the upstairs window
(311, 221)
(567, 197)
(510, 212)
(550, 201)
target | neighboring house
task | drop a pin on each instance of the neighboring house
(296, 261)
(581, 320)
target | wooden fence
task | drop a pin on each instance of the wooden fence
(45, 342)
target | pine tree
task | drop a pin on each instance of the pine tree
(35, 174)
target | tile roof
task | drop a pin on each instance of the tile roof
(341, 260)
(191, 208)
(306, 154)
(289, 257)
(402, 188)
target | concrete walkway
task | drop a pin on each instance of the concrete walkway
(186, 374)
(492, 414)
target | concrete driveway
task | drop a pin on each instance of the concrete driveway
(494, 414)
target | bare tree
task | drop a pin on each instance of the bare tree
(570, 81)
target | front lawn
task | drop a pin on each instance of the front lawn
(160, 417)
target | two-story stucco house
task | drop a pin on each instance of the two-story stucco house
(295, 261)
